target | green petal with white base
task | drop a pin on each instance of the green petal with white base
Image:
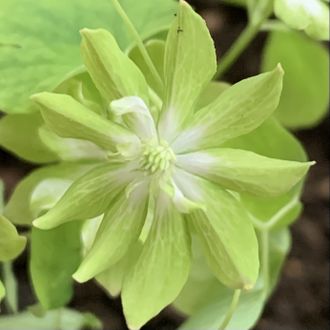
(71, 149)
(11, 244)
(245, 171)
(114, 73)
(119, 229)
(225, 231)
(89, 196)
(190, 63)
(239, 110)
(162, 268)
(312, 16)
(68, 118)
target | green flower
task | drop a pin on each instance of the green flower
(165, 174)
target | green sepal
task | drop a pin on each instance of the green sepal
(189, 64)
(68, 118)
(245, 171)
(120, 228)
(161, 269)
(87, 197)
(113, 72)
(239, 110)
(19, 210)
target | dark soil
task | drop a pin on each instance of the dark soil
(301, 300)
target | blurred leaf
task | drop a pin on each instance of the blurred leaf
(305, 95)
(40, 42)
(18, 209)
(11, 244)
(62, 319)
(2, 291)
(19, 135)
(55, 255)
(312, 16)
(2, 192)
(10, 284)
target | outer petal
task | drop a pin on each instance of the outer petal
(48, 181)
(225, 231)
(245, 171)
(114, 73)
(119, 229)
(11, 244)
(190, 63)
(162, 268)
(237, 111)
(68, 118)
(89, 196)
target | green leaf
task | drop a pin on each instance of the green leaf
(11, 244)
(113, 72)
(37, 53)
(156, 50)
(225, 231)
(305, 95)
(68, 118)
(62, 319)
(245, 171)
(238, 110)
(161, 269)
(312, 16)
(89, 196)
(52, 264)
(189, 64)
(120, 228)
(19, 135)
(18, 208)
(213, 300)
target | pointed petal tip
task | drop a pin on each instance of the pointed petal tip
(279, 69)
(77, 276)
(84, 31)
(40, 223)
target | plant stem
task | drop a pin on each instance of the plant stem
(139, 41)
(231, 309)
(265, 259)
(237, 48)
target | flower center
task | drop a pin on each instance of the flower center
(157, 156)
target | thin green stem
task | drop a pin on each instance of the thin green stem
(265, 259)
(231, 310)
(139, 41)
(237, 48)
